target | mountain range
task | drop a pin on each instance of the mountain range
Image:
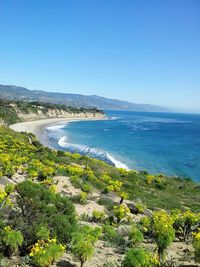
(12, 92)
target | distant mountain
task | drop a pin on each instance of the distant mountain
(12, 92)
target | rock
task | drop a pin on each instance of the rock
(133, 208)
(4, 180)
(18, 178)
(123, 230)
(147, 212)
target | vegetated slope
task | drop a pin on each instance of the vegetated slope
(43, 223)
(20, 93)
(16, 111)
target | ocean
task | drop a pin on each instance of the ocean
(157, 142)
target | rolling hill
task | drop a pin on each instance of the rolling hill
(12, 92)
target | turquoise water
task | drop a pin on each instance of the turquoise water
(157, 142)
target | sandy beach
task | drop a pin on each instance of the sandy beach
(38, 127)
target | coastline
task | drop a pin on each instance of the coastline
(38, 127)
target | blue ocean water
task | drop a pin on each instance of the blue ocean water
(157, 142)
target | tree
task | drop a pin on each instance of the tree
(83, 242)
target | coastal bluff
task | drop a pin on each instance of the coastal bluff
(50, 113)
(12, 112)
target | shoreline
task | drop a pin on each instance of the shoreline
(38, 127)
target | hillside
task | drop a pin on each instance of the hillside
(76, 100)
(62, 209)
(17, 111)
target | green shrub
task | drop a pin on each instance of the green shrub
(26, 261)
(83, 197)
(136, 257)
(75, 170)
(98, 216)
(140, 207)
(9, 188)
(45, 252)
(145, 224)
(121, 212)
(135, 236)
(11, 240)
(163, 231)
(111, 235)
(85, 217)
(196, 244)
(75, 180)
(83, 242)
(43, 233)
(108, 203)
(185, 222)
(40, 207)
(86, 187)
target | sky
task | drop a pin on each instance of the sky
(137, 50)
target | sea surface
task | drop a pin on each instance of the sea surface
(157, 142)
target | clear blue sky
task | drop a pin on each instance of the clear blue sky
(137, 50)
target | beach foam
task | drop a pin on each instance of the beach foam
(56, 127)
(93, 152)
(117, 163)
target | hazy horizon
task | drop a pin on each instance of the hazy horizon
(139, 51)
(171, 109)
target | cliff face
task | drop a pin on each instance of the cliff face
(13, 112)
(41, 113)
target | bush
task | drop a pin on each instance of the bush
(43, 233)
(3, 198)
(196, 244)
(123, 195)
(145, 224)
(135, 236)
(163, 231)
(83, 242)
(75, 180)
(111, 235)
(114, 185)
(140, 207)
(26, 261)
(75, 170)
(9, 188)
(86, 187)
(40, 207)
(11, 240)
(156, 180)
(108, 203)
(184, 223)
(121, 212)
(98, 216)
(83, 197)
(44, 252)
(136, 257)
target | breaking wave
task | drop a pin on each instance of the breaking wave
(92, 152)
